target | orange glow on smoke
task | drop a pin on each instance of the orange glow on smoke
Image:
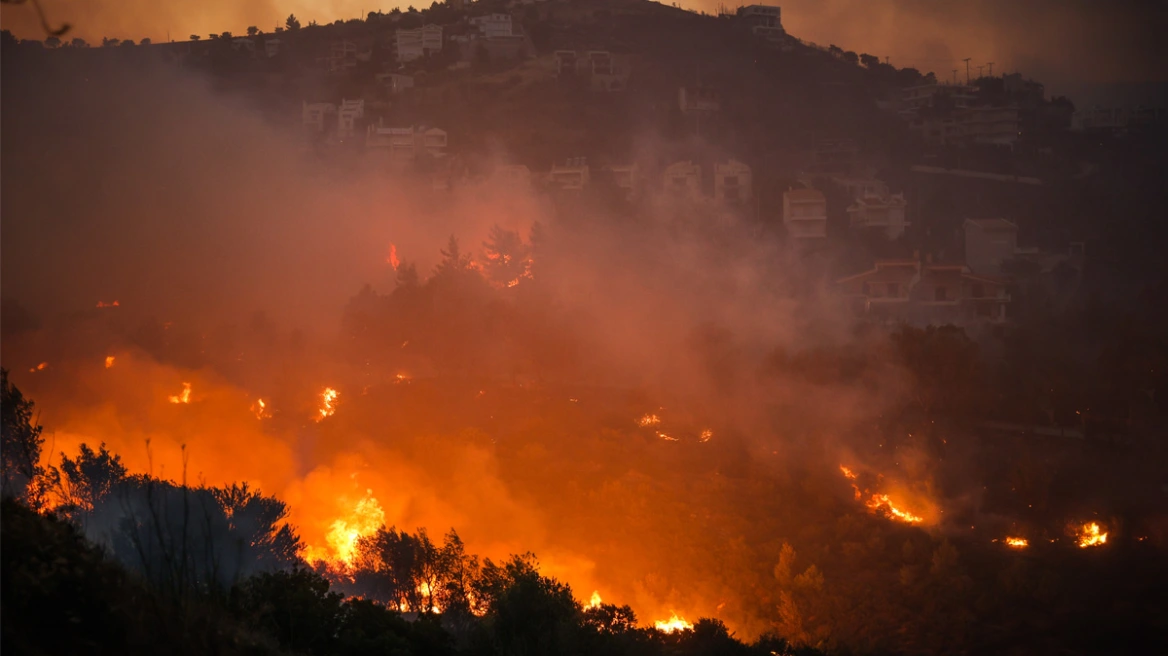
(103, 304)
(341, 541)
(1091, 535)
(109, 361)
(40, 367)
(327, 398)
(392, 259)
(184, 396)
(673, 624)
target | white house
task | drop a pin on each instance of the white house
(732, 182)
(514, 176)
(683, 179)
(272, 47)
(347, 116)
(763, 20)
(417, 43)
(805, 213)
(342, 56)
(406, 143)
(395, 82)
(697, 100)
(989, 243)
(884, 212)
(626, 178)
(928, 292)
(493, 26)
(573, 175)
(313, 115)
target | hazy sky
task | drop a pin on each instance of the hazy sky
(1071, 45)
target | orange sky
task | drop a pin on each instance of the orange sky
(1061, 42)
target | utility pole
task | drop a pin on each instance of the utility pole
(991, 65)
(979, 71)
(955, 77)
(886, 60)
(966, 60)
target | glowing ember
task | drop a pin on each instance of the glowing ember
(879, 501)
(673, 624)
(595, 601)
(39, 367)
(341, 541)
(1091, 535)
(103, 304)
(401, 378)
(327, 400)
(1017, 543)
(184, 397)
(512, 283)
(109, 361)
(648, 420)
(260, 409)
(706, 435)
(391, 259)
(667, 438)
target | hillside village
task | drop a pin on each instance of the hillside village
(919, 199)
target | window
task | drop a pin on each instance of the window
(893, 289)
(940, 294)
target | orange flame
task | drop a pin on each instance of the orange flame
(1017, 543)
(706, 435)
(391, 259)
(1091, 535)
(848, 473)
(341, 541)
(184, 397)
(673, 624)
(109, 361)
(648, 420)
(260, 409)
(595, 601)
(879, 501)
(39, 367)
(328, 397)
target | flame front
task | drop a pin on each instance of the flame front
(392, 259)
(648, 420)
(1017, 543)
(706, 435)
(327, 398)
(673, 624)
(341, 541)
(184, 397)
(595, 601)
(109, 361)
(879, 501)
(1091, 535)
(260, 409)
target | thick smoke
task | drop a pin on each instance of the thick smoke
(232, 252)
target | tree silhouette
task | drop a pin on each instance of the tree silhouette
(292, 23)
(20, 449)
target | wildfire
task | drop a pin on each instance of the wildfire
(673, 624)
(1091, 535)
(109, 361)
(648, 420)
(341, 541)
(1017, 543)
(327, 398)
(184, 397)
(391, 259)
(401, 378)
(260, 409)
(39, 367)
(595, 601)
(706, 435)
(848, 473)
(103, 304)
(512, 283)
(879, 501)
(667, 438)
